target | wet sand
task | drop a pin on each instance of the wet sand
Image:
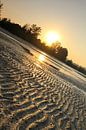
(32, 97)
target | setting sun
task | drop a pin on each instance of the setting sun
(51, 37)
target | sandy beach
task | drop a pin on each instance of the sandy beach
(33, 97)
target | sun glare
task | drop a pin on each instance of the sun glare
(41, 58)
(51, 37)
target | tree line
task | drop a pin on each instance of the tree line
(30, 33)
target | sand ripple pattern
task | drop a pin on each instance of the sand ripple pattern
(31, 97)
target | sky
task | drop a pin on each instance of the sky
(66, 17)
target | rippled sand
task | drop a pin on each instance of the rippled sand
(32, 97)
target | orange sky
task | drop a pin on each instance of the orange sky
(66, 17)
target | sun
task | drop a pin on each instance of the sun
(51, 37)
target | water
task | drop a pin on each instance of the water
(66, 72)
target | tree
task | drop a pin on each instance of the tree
(62, 54)
(35, 30)
(56, 46)
(25, 27)
(1, 5)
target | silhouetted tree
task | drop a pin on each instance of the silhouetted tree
(25, 27)
(30, 33)
(35, 30)
(62, 54)
(56, 46)
(69, 62)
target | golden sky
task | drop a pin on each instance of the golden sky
(66, 17)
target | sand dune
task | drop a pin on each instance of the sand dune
(32, 97)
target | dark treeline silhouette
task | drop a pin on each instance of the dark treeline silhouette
(75, 66)
(30, 33)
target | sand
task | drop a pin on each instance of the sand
(32, 97)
